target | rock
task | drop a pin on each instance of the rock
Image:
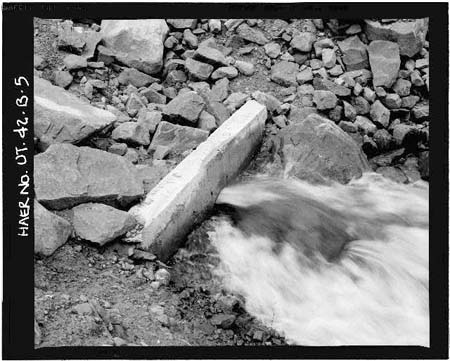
(365, 125)
(354, 53)
(50, 230)
(379, 114)
(251, 35)
(152, 175)
(132, 133)
(244, 67)
(409, 35)
(393, 173)
(136, 43)
(393, 101)
(369, 94)
(422, 63)
(384, 60)
(60, 117)
(324, 99)
(215, 26)
(74, 62)
(218, 110)
(349, 111)
(134, 104)
(83, 309)
(229, 72)
(66, 175)
(210, 55)
(402, 87)
(328, 58)
(280, 121)
(135, 78)
(162, 276)
(410, 101)
(353, 29)
(399, 132)
(272, 104)
(369, 147)
(235, 101)
(361, 105)
(284, 73)
(37, 334)
(180, 24)
(198, 70)
(219, 91)
(298, 115)
(305, 76)
(325, 84)
(118, 148)
(348, 127)
(303, 42)
(149, 119)
(207, 122)
(273, 50)
(416, 79)
(81, 41)
(317, 148)
(424, 165)
(190, 39)
(319, 45)
(175, 76)
(105, 55)
(383, 140)
(177, 137)
(63, 78)
(222, 320)
(153, 96)
(421, 111)
(39, 62)
(185, 107)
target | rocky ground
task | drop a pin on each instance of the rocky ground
(119, 104)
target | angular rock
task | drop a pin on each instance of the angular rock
(325, 84)
(317, 148)
(393, 101)
(60, 117)
(210, 55)
(50, 230)
(132, 133)
(303, 42)
(348, 127)
(66, 175)
(235, 100)
(284, 73)
(63, 78)
(399, 132)
(218, 110)
(136, 43)
(409, 35)
(252, 35)
(244, 67)
(207, 122)
(272, 104)
(134, 104)
(321, 44)
(384, 60)
(135, 78)
(305, 76)
(379, 114)
(198, 70)
(185, 107)
(81, 41)
(215, 25)
(99, 223)
(410, 101)
(354, 53)
(421, 111)
(182, 23)
(74, 62)
(153, 96)
(149, 119)
(393, 173)
(383, 140)
(365, 125)
(272, 50)
(361, 105)
(177, 137)
(298, 115)
(219, 91)
(349, 111)
(324, 99)
(402, 87)
(328, 58)
(152, 175)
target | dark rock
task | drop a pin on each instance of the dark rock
(369, 147)
(383, 140)
(348, 127)
(384, 60)
(185, 107)
(335, 114)
(393, 173)
(424, 165)
(66, 175)
(235, 101)
(349, 111)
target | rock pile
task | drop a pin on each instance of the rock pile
(149, 91)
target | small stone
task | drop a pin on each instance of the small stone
(83, 308)
(324, 99)
(284, 73)
(399, 132)
(369, 94)
(379, 114)
(402, 87)
(273, 50)
(349, 111)
(361, 105)
(303, 42)
(365, 125)
(315, 64)
(215, 26)
(190, 39)
(198, 70)
(207, 122)
(421, 111)
(348, 127)
(357, 90)
(319, 45)
(353, 29)
(328, 58)
(135, 78)
(305, 76)
(132, 133)
(380, 92)
(118, 148)
(422, 63)
(133, 105)
(210, 55)
(383, 140)
(393, 101)
(63, 78)
(336, 70)
(224, 321)
(416, 79)
(162, 276)
(244, 67)
(119, 341)
(39, 62)
(251, 35)
(410, 101)
(73, 62)
(369, 147)
(235, 101)
(180, 24)
(229, 72)
(280, 121)
(335, 114)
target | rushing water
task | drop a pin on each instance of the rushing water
(374, 293)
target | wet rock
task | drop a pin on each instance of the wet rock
(251, 35)
(328, 58)
(303, 42)
(132, 133)
(50, 230)
(198, 70)
(185, 107)
(402, 87)
(210, 55)
(178, 138)
(222, 320)
(60, 117)
(229, 72)
(136, 43)
(284, 73)
(324, 99)
(354, 53)
(379, 114)
(318, 148)
(180, 24)
(63, 78)
(66, 175)
(384, 60)
(135, 78)
(409, 35)
(74, 62)
(365, 125)
(325, 84)
(244, 67)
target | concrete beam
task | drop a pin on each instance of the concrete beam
(184, 196)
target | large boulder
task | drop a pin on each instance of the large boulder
(177, 138)
(316, 149)
(409, 34)
(66, 175)
(185, 107)
(99, 223)
(61, 117)
(136, 43)
(384, 58)
(50, 230)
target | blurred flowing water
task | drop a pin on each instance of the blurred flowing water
(374, 293)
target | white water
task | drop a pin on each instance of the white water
(376, 294)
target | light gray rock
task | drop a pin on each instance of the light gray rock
(135, 78)
(272, 104)
(207, 122)
(61, 117)
(50, 230)
(284, 73)
(153, 96)
(198, 70)
(235, 100)
(74, 62)
(384, 60)
(324, 99)
(244, 67)
(180, 24)
(325, 84)
(136, 43)
(402, 87)
(66, 175)
(354, 53)
(305, 76)
(328, 58)
(149, 119)
(62, 78)
(210, 55)
(229, 72)
(185, 107)
(252, 35)
(273, 50)
(303, 42)
(393, 101)
(380, 114)
(365, 125)
(220, 89)
(132, 133)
